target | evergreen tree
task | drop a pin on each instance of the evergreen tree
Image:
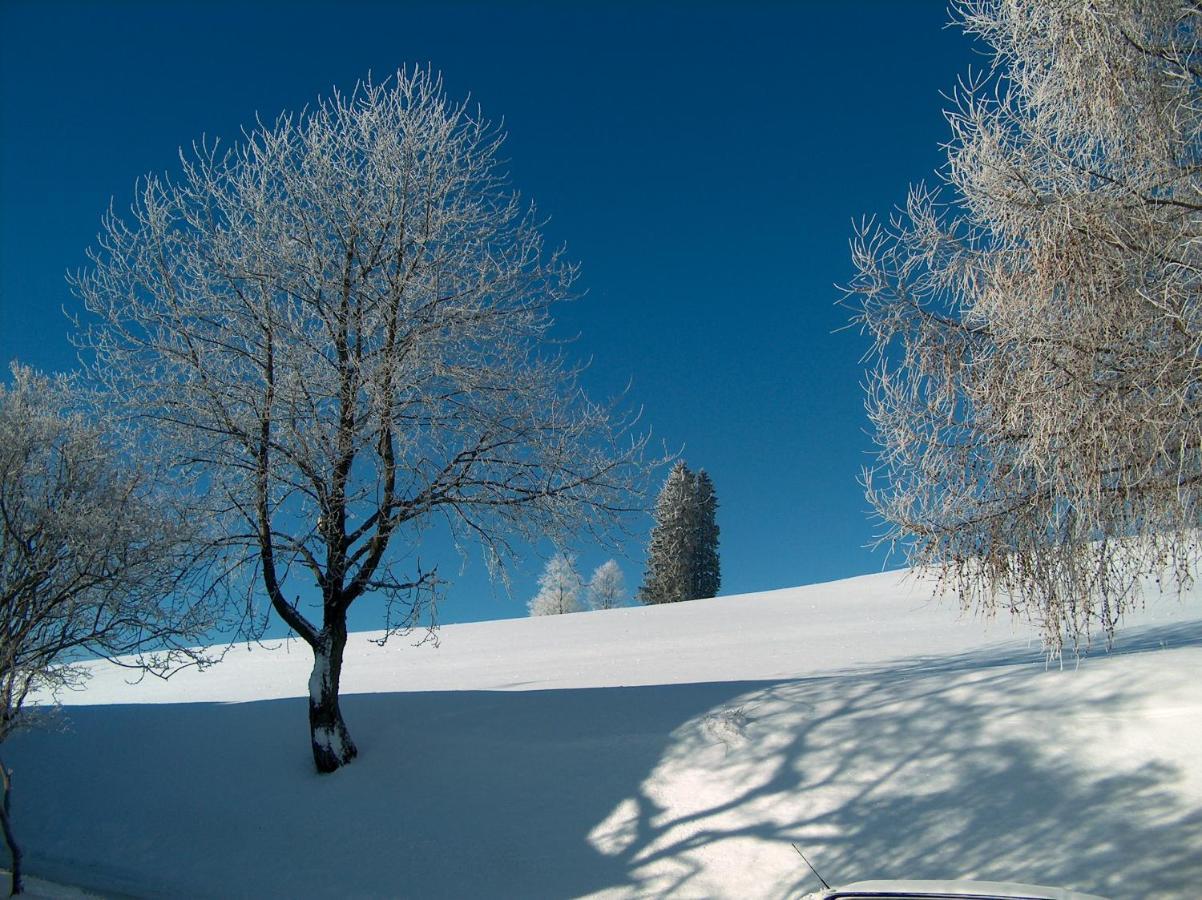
(707, 572)
(668, 553)
(682, 558)
(559, 588)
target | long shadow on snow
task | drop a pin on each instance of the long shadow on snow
(932, 768)
(567, 792)
(455, 794)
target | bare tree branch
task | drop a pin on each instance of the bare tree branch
(1036, 387)
(340, 326)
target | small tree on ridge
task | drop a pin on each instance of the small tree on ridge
(682, 555)
(607, 587)
(559, 588)
(707, 568)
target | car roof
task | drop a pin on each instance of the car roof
(956, 890)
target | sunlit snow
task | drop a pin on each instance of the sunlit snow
(675, 750)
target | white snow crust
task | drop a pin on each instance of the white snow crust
(674, 750)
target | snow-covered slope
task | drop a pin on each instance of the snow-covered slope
(673, 750)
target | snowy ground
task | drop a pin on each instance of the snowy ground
(645, 752)
(40, 889)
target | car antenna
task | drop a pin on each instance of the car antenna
(811, 865)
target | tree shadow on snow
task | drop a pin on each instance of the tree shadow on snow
(929, 768)
(954, 766)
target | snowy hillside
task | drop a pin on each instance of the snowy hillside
(674, 750)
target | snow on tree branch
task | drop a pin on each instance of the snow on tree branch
(1036, 387)
(341, 325)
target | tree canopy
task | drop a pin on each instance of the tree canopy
(341, 325)
(1037, 388)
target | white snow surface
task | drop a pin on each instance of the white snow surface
(40, 889)
(665, 751)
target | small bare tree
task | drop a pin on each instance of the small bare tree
(607, 587)
(559, 588)
(94, 558)
(1037, 389)
(341, 324)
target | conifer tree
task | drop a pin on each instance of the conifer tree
(668, 553)
(707, 572)
(682, 558)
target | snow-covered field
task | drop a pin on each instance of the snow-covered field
(674, 750)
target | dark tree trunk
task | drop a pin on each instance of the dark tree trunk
(332, 744)
(9, 838)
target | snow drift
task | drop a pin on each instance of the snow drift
(643, 752)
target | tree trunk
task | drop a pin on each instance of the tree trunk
(14, 851)
(332, 744)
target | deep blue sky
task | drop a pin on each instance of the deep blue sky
(702, 161)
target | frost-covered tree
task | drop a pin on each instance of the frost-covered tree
(607, 587)
(668, 577)
(559, 588)
(682, 556)
(95, 558)
(1037, 392)
(339, 326)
